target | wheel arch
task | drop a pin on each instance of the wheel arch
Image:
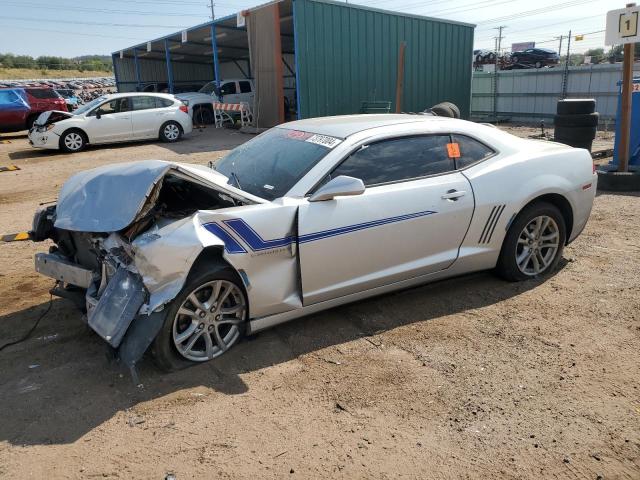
(78, 129)
(558, 200)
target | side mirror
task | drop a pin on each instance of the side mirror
(98, 115)
(341, 186)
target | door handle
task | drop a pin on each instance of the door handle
(453, 195)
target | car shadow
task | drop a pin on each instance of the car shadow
(61, 383)
(13, 136)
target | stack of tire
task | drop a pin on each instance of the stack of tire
(576, 122)
(444, 109)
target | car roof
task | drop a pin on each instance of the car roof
(346, 125)
(139, 94)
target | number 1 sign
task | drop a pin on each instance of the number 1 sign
(622, 26)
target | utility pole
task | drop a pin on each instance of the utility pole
(213, 15)
(498, 45)
(561, 37)
(565, 76)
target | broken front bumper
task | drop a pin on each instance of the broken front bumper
(111, 303)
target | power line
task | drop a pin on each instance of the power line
(537, 11)
(98, 10)
(66, 32)
(74, 22)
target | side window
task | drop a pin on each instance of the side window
(471, 151)
(398, 159)
(108, 108)
(245, 87)
(228, 88)
(163, 103)
(143, 103)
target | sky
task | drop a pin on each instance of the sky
(70, 28)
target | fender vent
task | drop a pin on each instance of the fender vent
(492, 221)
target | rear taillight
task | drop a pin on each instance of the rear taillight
(184, 108)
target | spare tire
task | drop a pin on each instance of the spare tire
(443, 110)
(577, 120)
(573, 106)
(454, 108)
(446, 109)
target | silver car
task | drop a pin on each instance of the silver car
(184, 260)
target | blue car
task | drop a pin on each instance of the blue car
(73, 101)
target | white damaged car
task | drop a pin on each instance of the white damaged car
(184, 260)
(119, 117)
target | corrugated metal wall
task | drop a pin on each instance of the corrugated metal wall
(531, 95)
(348, 54)
(155, 71)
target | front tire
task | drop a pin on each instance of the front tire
(206, 319)
(73, 141)
(533, 245)
(170, 132)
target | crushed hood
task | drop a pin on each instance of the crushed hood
(109, 198)
(51, 116)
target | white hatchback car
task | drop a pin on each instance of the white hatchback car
(120, 117)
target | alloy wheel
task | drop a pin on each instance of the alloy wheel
(537, 245)
(208, 322)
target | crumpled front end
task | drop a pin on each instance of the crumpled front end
(125, 239)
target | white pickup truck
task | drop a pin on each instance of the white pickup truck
(231, 91)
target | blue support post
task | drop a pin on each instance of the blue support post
(216, 66)
(167, 54)
(296, 54)
(137, 65)
(115, 69)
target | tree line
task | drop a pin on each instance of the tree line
(84, 63)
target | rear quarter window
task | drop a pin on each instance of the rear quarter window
(471, 151)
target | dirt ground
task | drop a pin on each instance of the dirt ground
(468, 378)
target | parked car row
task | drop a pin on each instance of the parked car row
(72, 84)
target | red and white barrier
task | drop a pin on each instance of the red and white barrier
(220, 113)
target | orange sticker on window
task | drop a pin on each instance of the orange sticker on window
(453, 149)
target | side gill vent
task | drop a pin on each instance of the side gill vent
(492, 221)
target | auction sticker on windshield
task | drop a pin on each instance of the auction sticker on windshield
(324, 140)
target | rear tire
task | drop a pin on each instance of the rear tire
(170, 132)
(527, 253)
(165, 347)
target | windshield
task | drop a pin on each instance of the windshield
(271, 164)
(209, 88)
(89, 106)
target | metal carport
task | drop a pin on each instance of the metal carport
(335, 56)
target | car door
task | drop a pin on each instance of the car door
(146, 118)
(410, 221)
(110, 122)
(246, 92)
(229, 92)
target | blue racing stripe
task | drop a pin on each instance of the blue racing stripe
(253, 238)
(310, 237)
(231, 245)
